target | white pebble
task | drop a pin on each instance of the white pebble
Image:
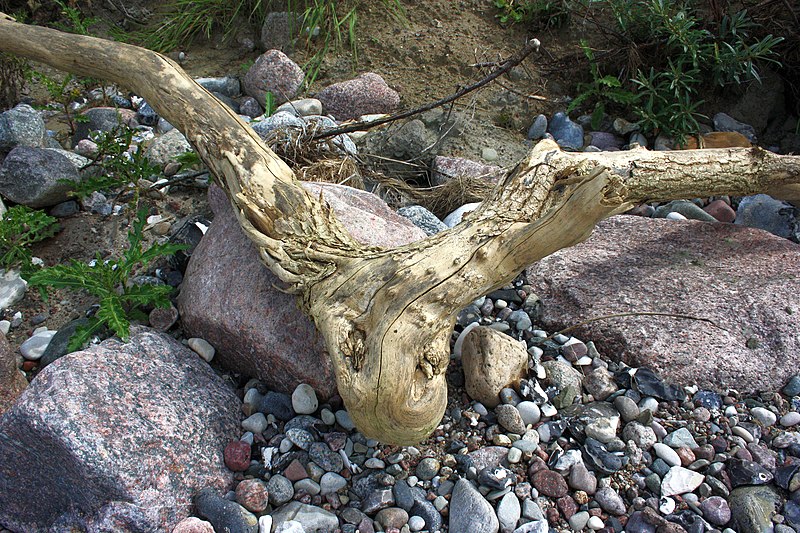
(304, 400)
(5, 327)
(666, 453)
(595, 523)
(33, 348)
(265, 524)
(202, 348)
(256, 423)
(648, 404)
(416, 523)
(327, 417)
(514, 455)
(666, 505)
(792, 418)
(675, 216)
(739, 431)
(764, 416)
(489, 154)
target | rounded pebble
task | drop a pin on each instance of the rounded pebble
(202, 348)
(304, 400)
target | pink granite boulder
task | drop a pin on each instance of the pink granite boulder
(228, 297)
(12, 382)
(118, 437)
(367, 94)
(273, 72)
(745, 281)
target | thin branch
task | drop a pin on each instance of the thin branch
(516, 59)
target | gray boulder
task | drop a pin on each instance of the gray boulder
(740, 279)
(228, 297)
(470, 512)
(165, 148)
(33, 176)
(21, 126)
(118, 437)
(103, 119)
(775, 216)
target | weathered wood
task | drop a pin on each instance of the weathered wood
(386, 315)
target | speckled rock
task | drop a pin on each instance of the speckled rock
(367, 94)
(12, 382)
(165, 148)
(108, 420)
(445, 169)
(470, 512)
(228, 298)
(21, 126)
(491, 362)
(674, 266)
(103, 119)
(273, 71)
(33, 176)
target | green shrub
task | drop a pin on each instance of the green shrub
(20, 227)
(111, 282)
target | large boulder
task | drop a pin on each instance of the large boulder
(103, 119)
(229, 298)
(367, 94)
(167, 147)
(118, 437)
(39, 177)
(12, 382)
(273, 72)
(21, 126)
(743, 281)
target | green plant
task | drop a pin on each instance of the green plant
(76, 22)
(62, 91)
(537, 14)
(117, 168)
(111, 282)
(601, 90)
(672, 57)
(20, 227)
(12, 79)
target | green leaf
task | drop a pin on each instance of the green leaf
(112, 313)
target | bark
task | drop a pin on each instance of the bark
(387, 315)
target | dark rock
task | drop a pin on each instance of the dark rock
(325, 458)
(792, 387)
(377, 500)
(189, 233)
(280, 490)
(707, 399)
(108, 420)
(496, 477)
(21, 126)
(600, 457)
(237, 455)
(38, 177)
(752, 507)
(103, 119)
(538, 128)
(223, 514)
(146, 115)
(228, 101)
(12, 382)
(367, 94)
(226, 85)
(723, 122)
(606, 141)
(744, 472)
(549, 483)
(65, 209)
(647, 383)
(273, 72)
(58, 344)
(568, 134)
(775, 216)
(423, 219)
(250, 107)
(425, 510)
(742, 268)
(228, 296)
(277, 404)
(403, 496)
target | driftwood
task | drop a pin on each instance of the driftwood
(387, 315)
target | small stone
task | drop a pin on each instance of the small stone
(716, 510)
(595, 523)
(331, 482)
(627, 408)
(549, 483)
(643, 436)
(680, 480)
(202, 348)
(508, 512)
(280, 490)
(538, 128)
(193, 524)
(489, 154)
(255, 423)
(416, 523)
(224, 515)
(427, 468)
(680, 437)
(510, 419)
(514, 455)
(496, 477)
(610, 501)
(530, 412)
(265, 524)
(580, 479)
(163, 318)
(470, 512)
(667, 454)
(34, 347)
(252, 495)
(568, 134)
(325, 458)
(304, 400)
(792, 387)
(237, 456)
(344, 420)
(392, 517)
(792, 418)
(765, 417)
(600, 383)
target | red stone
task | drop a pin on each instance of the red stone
(549, 483)
(567, 506)
(252, 495)
(721, 211)
(686, 455)
(27, 366)
(237, 455)
(295, 471)
(193, 525)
